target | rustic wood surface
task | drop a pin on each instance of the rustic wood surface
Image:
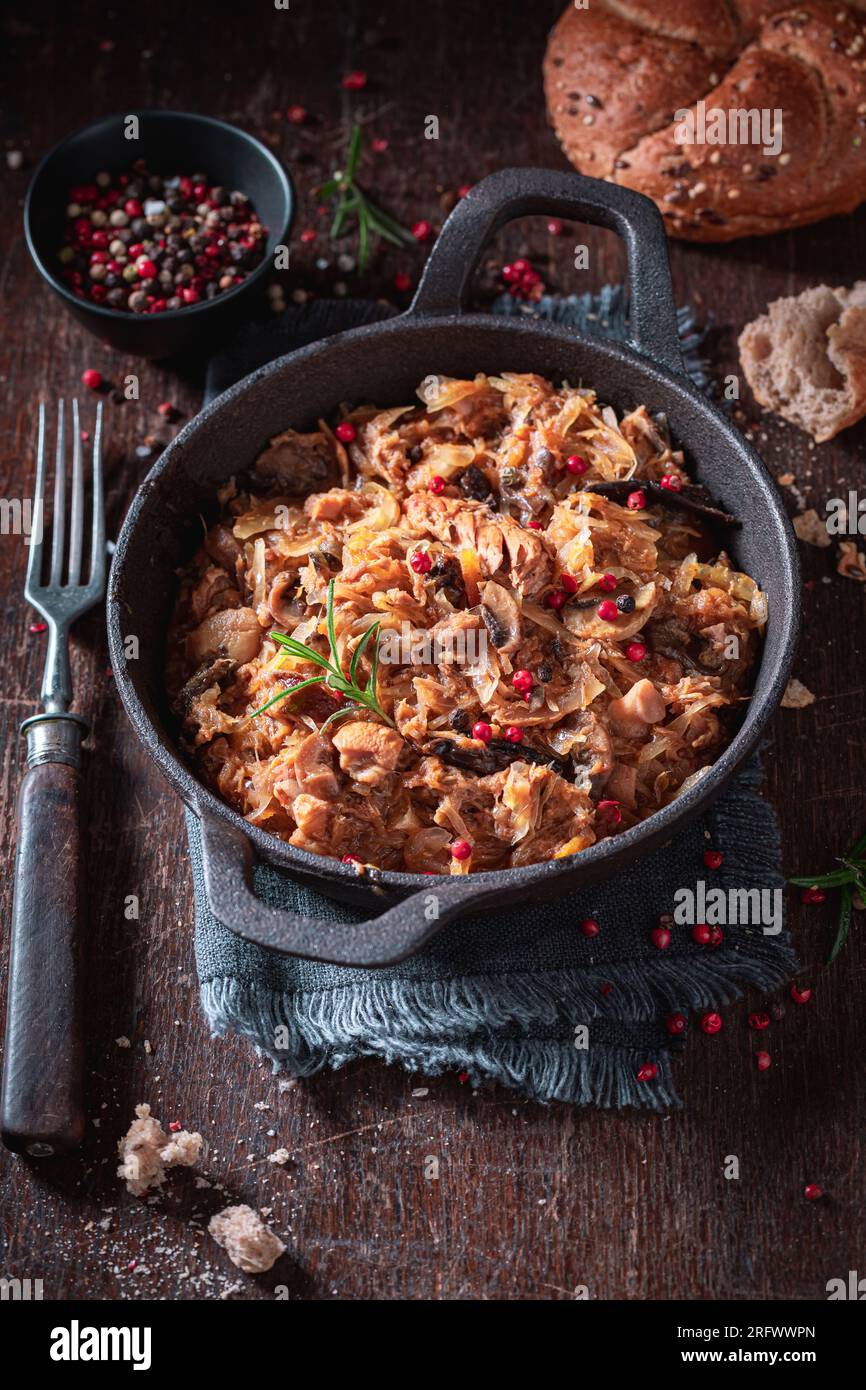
(530, 1202)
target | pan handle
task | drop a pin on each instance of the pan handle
(401, 930)
(512, 193)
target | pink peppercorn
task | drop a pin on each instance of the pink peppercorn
(421, 562)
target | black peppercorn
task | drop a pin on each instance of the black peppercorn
(473, 483)
(625, 603)
(545, 672)
(459, 720)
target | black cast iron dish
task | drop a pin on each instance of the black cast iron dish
(383, 363)
(170, 142)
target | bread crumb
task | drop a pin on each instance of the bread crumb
(797, 696)
(852, 562)
(811, 529)
(123, 1041)
(246, 1239)
(146, 1151)
(280, 1156)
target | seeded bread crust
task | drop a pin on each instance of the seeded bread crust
(616, 72)
(806, 359)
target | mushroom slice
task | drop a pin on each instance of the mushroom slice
(234, 633)
(501, 614)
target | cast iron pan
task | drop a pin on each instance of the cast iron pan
(383, 363)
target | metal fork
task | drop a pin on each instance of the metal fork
(42, 1108)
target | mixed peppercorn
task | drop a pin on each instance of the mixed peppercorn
(145, 243)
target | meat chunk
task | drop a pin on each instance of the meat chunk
(314, 820)
(246, 1239)
(222, 547)
(314, 768)
(213, 592)
(368, 752)
(451, 520)
(337, 504)
(298, 463)
(637, 709)
(504, 542)
(349, 826)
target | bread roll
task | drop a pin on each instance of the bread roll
(617, 72)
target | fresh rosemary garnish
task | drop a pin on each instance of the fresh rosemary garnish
(362, 698)
(850, 879)
(352, 201)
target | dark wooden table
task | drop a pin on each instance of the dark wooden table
(530, 1202)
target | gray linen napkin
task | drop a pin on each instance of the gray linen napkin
(521, 996)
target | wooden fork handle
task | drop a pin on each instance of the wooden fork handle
(42, 1108)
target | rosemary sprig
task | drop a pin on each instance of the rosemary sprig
(850, 879)
(352, 201)
(361, 697)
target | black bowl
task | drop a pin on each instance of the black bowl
(170, 142)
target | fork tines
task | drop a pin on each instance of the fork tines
(66, 560)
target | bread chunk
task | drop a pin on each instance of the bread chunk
(246, 1239)
(146, 1152)
(806, 359)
